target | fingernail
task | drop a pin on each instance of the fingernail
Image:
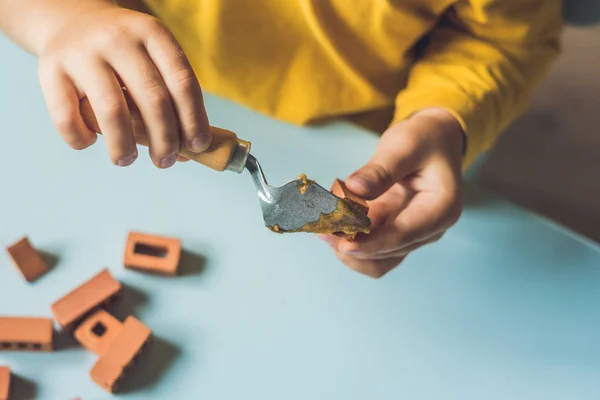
(360, 181)
(168, 161)
(199, 144)
(127, 161)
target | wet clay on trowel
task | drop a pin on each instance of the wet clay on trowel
(348, 217)
(342, 219)
(305, 183)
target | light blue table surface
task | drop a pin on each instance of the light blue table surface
(505, 306)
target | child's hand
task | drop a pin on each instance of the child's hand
(414, 182)
(99, 50)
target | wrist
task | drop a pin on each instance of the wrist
(443, 128)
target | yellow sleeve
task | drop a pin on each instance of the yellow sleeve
(482, 63)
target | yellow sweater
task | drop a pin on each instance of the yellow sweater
(303, 61)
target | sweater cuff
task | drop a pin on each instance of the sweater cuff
(460, 106)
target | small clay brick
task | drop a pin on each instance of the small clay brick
(340, 190)
(97, 332)
(4, 382)
(26, 334)
(152, 253)
(111, 366)
(27, 259)
(85, 299)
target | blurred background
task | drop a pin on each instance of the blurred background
(549, 160)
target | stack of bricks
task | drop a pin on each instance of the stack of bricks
(116, 344)
(83, 312)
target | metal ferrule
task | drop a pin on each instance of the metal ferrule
(239, 157)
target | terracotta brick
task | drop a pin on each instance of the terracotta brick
(27, 259)
(4, 382)
(97, 332)
(26, 334)
(340, 190)
(110, 368)
(152, 253)
(85, 299)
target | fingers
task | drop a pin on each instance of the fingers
(436, 206)
(147, 89)
(426, 215)
(63, 105)
(423, 220)
(421, 156)
(159, 80)
(373, 268)
(378, 266)
(396, 157)
(139, 129)
(136, 51)
(372, 180)
(102, 88)
(399, 251)
(183, 86)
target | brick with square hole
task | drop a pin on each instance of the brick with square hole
(97, 332)
(151, 253)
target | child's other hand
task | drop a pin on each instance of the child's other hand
(414, 184)
(99, 50)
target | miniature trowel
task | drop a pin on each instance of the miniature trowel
(300, 205)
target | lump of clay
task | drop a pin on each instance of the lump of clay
(347, 220)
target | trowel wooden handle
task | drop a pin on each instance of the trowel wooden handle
(217, 157)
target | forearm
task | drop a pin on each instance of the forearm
(485, 73)
(31, 23)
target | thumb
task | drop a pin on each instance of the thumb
(388, 166)
(370, 181)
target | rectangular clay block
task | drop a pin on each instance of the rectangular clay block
(4, 382)
(340, 190)
(98, 331)
(24, 333)
(152, 253)
(110, 367)
(86, 298)
(27, 259)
